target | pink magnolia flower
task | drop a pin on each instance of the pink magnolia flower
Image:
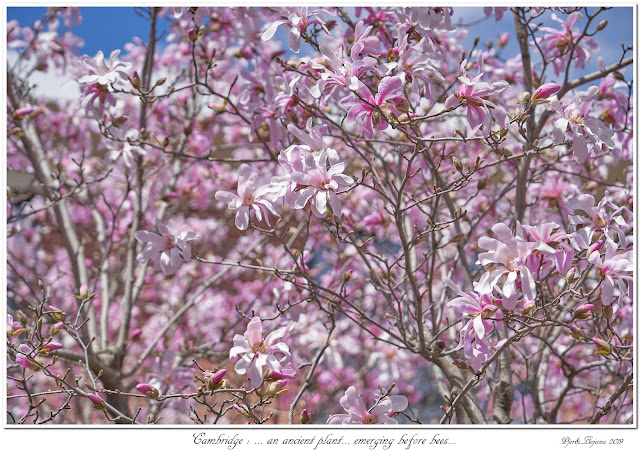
(169, 251)
(22, 357)
(550, 245)
(250, 197)
(588, 132)
(256, 354)
(498, 12)
(127, 150)
(615, 270)
(298, 19)
(388, 97)
(483, 316)
(342, 70)
(318, 185)
(557, 44)
(473, 95)
(508, 256)
(586, 218)
(357, 413)
(14, 328)
(100, 72)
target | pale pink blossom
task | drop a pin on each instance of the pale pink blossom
(388, 97)
(256, 354)
(103, 73)
(250, 197)
(357, 413)
(507, 255)
(169, 251)
(473, 93)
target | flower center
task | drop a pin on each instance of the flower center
(600, 222)
(515, 264)
(260, 347)
(576, 119)
(171, 243)
(370, 420)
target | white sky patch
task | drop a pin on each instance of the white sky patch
(48, 85)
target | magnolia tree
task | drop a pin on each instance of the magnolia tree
(333, 215)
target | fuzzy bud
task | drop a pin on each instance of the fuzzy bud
(607, 311)
(602, 25)
(577, 333)
(305, 417)
(602, 346)
(571, 274)
(457, 164)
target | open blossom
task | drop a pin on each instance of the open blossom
(481, 314)
(508, 256)
(256, 354)
(615, 270)
(473, 94)
(552, 248)
(357, 413)
(298, 19)
(318, 185)
(126, 150)
(588, 132)
(557, 44)
(586, 218)
(387, 99)
(342, 70)
(250, 197)
(169, 251)
(100, 72)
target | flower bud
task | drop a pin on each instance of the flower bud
(602, 25)
(84, 292)
(305, 417)
(212, 381)
(51, 346)
(21, 113)
(97, 401)
(22, 318)
(135, 334)
(457, 164)
(577, 333)
(602, 346)
(583, 312)
(135, 81)
(607, 311)
(571, 274)
(595, 247)
(161, 81)
(545, 91)
(148, 390)
(503, 39)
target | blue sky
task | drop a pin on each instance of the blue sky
(109, 28)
